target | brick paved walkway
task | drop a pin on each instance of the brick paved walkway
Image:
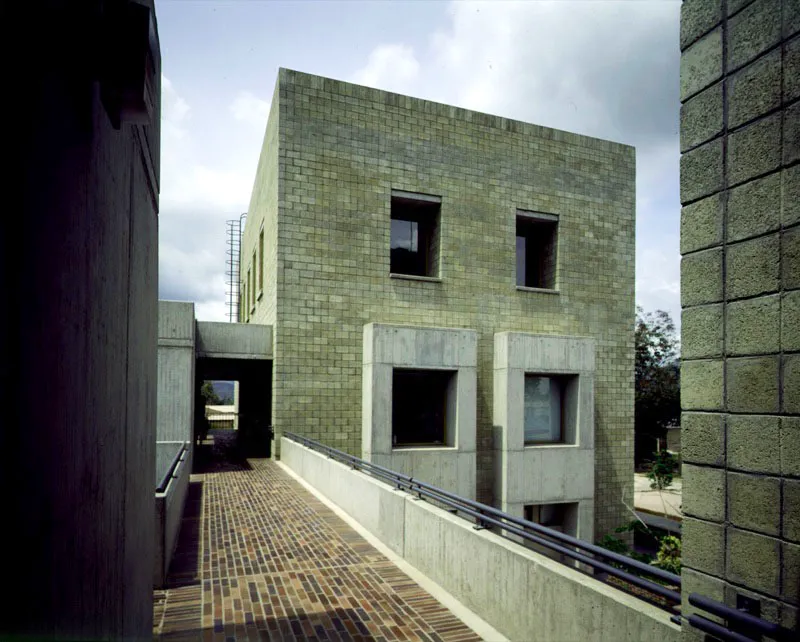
(260, 558)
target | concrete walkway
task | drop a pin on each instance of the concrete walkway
(666, 502)
(260, 558)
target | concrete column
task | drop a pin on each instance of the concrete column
(740, 274)
(79, 339)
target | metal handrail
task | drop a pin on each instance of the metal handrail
(165, 479)
(486, 515)
(742, 620)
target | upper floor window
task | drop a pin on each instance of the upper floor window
(261, 260)
(537, 245)
(415, 234)
(550, 410)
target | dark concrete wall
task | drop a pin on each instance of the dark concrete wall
(79, 342)
(740, 292)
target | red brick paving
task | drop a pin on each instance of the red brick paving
(260, 558)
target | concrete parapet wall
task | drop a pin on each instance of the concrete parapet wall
(521, 593)
(169, 512)
(234, 340)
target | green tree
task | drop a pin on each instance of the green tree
(210, 397)
(657, 369)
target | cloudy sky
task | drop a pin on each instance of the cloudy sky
(606, 69)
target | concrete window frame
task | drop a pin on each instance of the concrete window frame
(389, 347)
(543, 473)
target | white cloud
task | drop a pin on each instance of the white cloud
(393, 67)
(174, 110)
(251, 109)
(658, 281)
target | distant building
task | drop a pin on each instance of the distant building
(451, 294)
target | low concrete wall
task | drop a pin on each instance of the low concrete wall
(523, 594)
(169, 512)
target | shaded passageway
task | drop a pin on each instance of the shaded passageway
(260, 558)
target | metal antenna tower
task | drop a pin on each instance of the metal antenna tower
(233, 254)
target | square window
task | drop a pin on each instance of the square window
(550, 409)
(423, 407)
(550, 515)
(537, 236)
(414, 243)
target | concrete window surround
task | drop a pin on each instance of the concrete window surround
(551, 472)
(387, 347)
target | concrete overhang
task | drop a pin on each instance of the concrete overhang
(221, 340)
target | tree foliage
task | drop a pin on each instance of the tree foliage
(657, 379)
(210, 397)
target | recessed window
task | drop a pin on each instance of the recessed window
(253, 282)
(261, 261)
(561, 517)
(537, 236)
(549, 413)
(423, 407)
(415, 234)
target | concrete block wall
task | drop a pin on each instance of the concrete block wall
(740, 274)
(332, 155)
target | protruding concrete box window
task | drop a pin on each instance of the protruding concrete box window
(414, 245)
(544, 423)
(537, 250)
(419, 403)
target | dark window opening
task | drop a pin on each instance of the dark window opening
(423, 407)
(536, 251)
(415, 236)
(550, 515)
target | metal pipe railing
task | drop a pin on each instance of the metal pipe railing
(486, 515)
(742, 620)
(162, 485)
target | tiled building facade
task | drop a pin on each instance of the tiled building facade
(740, 291)
(319, 226)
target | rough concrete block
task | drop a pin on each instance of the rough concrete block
(791, 383)
(701, 224)
(701, 332)
(736, 5)
(790, 195)
(703, 492)
(791, 17)
(790, 617)
(791, 70)
(753, 31)
(701, 170)
(698, 17)
(703, 546)
(754, 149)
(701, 64)
(791, 258)
(791, 509)
(755, 89)
(701, 385)
(754, 560)
(790, 321)
(754, 443)
(790, 581)
(701, 116)
(754, 208)
(754, 326)
(694, 582)
(702, 438)
(753, 267)
(752, 384)
(790, 446)
(701, 277)
(791, 134)
(754, 502)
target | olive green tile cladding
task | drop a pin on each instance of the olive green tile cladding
(739, 294)
(332, 154)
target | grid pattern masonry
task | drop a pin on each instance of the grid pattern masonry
(332, 154)
(740, 293)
